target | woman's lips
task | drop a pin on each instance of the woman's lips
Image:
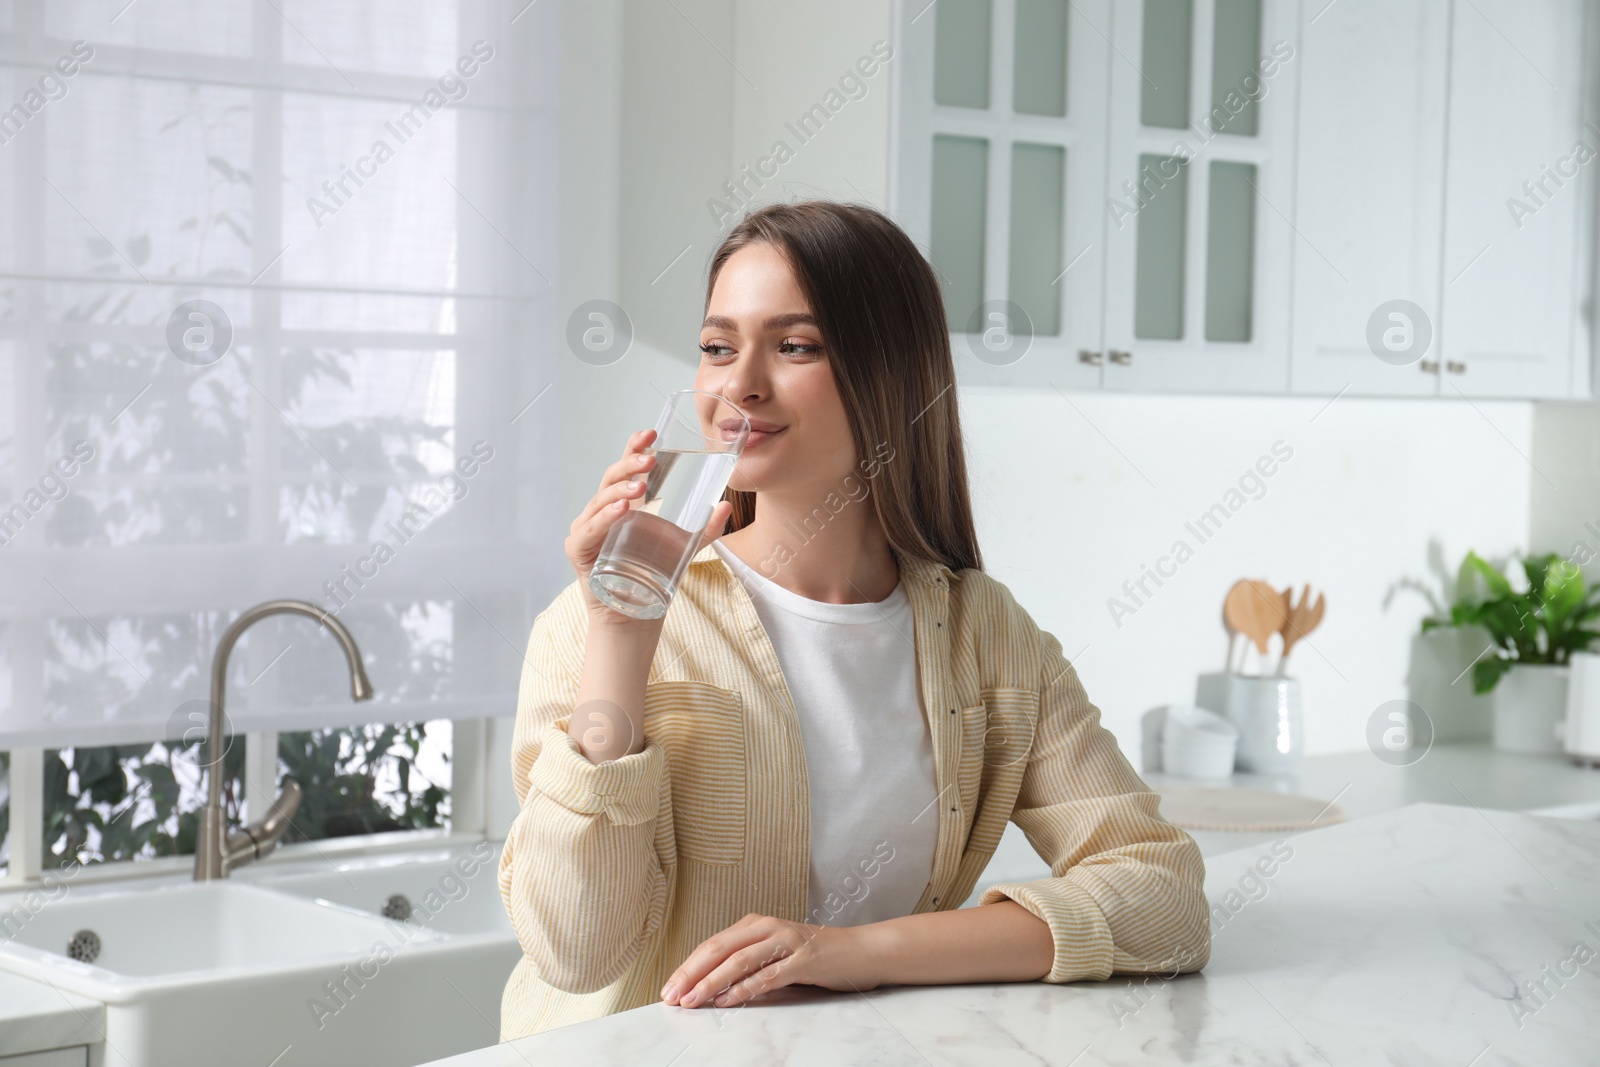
(757, 436)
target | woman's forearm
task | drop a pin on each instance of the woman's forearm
(608, 715)
(999, 942)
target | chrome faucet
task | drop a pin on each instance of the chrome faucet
(217, 851)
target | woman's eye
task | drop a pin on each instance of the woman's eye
(714, 350)
(799, 346)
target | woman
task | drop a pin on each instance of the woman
(797, 776)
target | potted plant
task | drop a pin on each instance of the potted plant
(1533, 634)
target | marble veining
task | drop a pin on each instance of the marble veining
(1431, 934)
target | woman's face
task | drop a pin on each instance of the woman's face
(760, 349)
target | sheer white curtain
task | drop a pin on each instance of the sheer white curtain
(360, 192)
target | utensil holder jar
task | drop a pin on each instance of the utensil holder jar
(1268, 713)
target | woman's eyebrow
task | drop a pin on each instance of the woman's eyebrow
(776, 322)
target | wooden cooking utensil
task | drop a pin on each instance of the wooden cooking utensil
(1302, 619)
(1234, 615)
(1264, 610)
(1256, 610)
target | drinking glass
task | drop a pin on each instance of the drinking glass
(698, 440)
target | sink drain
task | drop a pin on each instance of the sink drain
(84, 946)
(397, 908)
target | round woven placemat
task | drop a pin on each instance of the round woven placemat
(1245, 809)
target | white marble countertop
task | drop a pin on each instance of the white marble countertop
(35, 1017)
(1430, 934)
(1472, 774)
(1469, 774)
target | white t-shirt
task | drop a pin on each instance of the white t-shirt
(852, 670)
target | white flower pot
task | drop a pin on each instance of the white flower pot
(1439, 679)
(1529, 702)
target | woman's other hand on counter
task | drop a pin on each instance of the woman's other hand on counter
(760, 953)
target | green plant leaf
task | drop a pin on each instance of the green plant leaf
(1577, 639)
(1510, 621)
(1475, 564)
(1486, 672)
(163, 787)
(1535, 568)
(1562, 591)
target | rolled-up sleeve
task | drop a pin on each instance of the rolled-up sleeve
(581, 877)
(1126, 888)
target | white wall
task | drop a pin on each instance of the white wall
(1073, 496)
(794, 56)
(1076, 496)
(1565, 509)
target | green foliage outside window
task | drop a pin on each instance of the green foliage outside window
(340, 772)
(122, 802)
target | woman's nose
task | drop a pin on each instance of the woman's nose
(741, 387)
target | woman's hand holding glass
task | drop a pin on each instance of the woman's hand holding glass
(607, 719)
(607, 507)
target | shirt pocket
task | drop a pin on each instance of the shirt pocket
(1009, 718)
(997, 733)
(997, 736)
(700, 728)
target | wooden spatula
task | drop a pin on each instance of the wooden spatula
(1254, 609)
(1302, 619)
(1263, 612)
(1233, 616)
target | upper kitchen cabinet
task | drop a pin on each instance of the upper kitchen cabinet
(1368, 196)
(1103, 187)
(1255, 196)
(1439, 198)
(1516, 189)
(998, 173)
(1200, 190)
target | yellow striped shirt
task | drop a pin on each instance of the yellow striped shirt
(613, 873)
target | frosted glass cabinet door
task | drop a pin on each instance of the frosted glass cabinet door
(1200, 167)
(1369, 197)
(998, 173)
(1514, 205)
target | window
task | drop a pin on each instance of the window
(270, 321)
(143, 801)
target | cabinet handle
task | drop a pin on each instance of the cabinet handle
(1123, 358)
(1455, 367)
(1429, 366)
(1086, 355)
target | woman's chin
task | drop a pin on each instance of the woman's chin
(754, 474)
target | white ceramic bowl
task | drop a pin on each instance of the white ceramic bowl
(1197, 743)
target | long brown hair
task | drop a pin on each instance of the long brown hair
(878, 308)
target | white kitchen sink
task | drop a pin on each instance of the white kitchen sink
(286, 962)
(446, 891)
(223, 928)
